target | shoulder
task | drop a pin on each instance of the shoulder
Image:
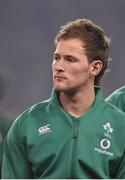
(115, 112)
(117, 93)
(117, 98)
(30, 116)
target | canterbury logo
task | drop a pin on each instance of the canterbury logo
(44, 129)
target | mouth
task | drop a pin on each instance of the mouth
(59, 77)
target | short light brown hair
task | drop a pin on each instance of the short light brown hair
(95, 41)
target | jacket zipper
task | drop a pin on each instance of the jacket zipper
(75, 132)
(74, 151)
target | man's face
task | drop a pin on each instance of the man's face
(71, 69)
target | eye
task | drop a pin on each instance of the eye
(71, 58)
(56, 57)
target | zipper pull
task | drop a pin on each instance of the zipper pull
(75, 133)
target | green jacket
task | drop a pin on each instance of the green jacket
(3, 130)
(46, 142)
(117, 98)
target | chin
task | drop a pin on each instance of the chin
(60, 88)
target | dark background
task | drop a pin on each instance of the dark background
(27, 30)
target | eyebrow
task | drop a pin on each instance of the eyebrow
(70, 56)
(56, 54)
(67, 55)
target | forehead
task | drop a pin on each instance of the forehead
(70, 46)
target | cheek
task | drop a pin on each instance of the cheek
(53, 67)
(81, 71)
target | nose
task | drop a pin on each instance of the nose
(58, 65)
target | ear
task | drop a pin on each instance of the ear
(96, 67)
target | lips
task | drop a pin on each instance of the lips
(59, 77)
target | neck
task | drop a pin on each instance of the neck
(77, 103)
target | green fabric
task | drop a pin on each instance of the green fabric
(3, 131)
(46, 142)
(117, 98)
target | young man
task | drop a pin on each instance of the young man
(117, 98)
(75, 134)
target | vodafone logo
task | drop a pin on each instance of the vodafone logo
(105, 143)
